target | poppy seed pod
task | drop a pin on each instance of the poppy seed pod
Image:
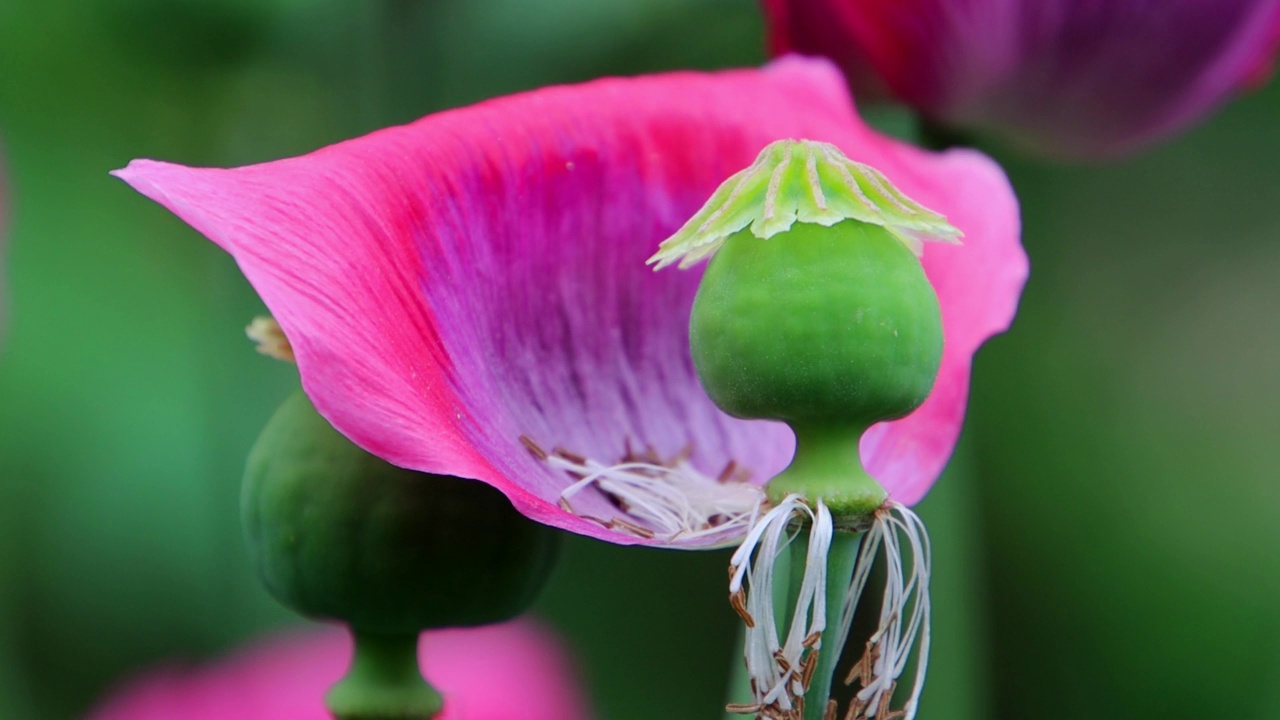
(814, 310)
(337, 533)
(830, 329)
(819, 325)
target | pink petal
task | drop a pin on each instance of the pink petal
(455, 285)
(978, 286)
(1070, 78)
(285, 678)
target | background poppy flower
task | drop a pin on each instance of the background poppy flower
(1064, 78)
(284, 678)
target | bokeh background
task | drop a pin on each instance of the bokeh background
(1106, 537)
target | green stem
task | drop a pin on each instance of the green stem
(739, 680)
(827, 465)
(840, 563)
(384, 682)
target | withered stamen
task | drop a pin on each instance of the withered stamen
(533, 448)
(810, 666)
(729, 469)
(781, 659)
(683, 455)
(882, 711)
(738, 601)
(572, 457)
(617, 501)
(864, 670)
(619, 523)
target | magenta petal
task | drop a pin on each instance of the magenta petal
(455, 285)
(285, 678)
(1065, 77)
(978, 286)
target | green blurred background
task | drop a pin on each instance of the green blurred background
(1106, 538)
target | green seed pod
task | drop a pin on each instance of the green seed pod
(337, 533)
(817, 326)
(814, 310)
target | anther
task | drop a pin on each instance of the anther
(570, 456)
(738, 601)
(270, 339)
(810, 666)
(620, 524)
(729, 469)
(532, 447)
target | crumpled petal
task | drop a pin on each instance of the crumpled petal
(285, 678)
(461, 288)
(1063, 77)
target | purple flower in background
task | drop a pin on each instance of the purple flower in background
(1068, 78)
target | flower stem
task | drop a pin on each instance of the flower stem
(827, 465)
(840, 565)
(384, 682)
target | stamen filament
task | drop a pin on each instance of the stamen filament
(669, 502)
(783, 671)
(906, 593)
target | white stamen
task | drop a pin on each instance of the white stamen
(667, 502)
(906, 595)
(775, 665)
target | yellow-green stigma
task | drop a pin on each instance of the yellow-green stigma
(802, 181)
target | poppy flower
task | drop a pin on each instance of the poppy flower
(468, 295)
(284, 678)
(1064, 78)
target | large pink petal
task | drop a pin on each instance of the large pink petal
(1069, 78)
(285, 678)
(454, 285)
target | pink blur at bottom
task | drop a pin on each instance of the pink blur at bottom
(514, 671)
